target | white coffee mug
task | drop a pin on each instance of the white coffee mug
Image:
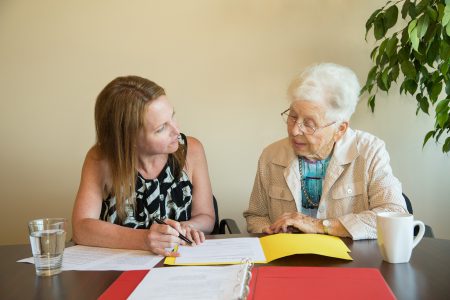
(396, 235)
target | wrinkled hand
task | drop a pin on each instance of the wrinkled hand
(196, 236)
(288, 222)
(161, 236)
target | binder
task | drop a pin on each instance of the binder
(318, 283)
(275, 282)
(233, 283)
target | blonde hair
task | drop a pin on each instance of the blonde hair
(333, 85)
(119, 112)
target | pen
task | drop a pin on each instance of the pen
(159, 221)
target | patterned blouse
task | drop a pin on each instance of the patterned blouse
(162, 197)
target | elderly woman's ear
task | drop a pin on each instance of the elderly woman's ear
(341, 129)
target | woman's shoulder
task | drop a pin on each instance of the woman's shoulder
(194, 146)
(96, 161)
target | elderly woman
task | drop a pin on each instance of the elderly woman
(324, 177)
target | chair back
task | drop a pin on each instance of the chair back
(216, 217)
(428, 229)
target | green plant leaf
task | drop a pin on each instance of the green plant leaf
(423, 103)
(435, 91)
(385, 79)
(432, 13)
(403, 54)
(371, 75)
(379, 30)
(433, 52)
(369, 22)
(374, 52)
(380, 83)
(408, 69)
(447, 86)
(443, 106)
(427, 137)
(422, 26)
(444, 68)
(405, 8)
(412, 11)
(444, 50)
(391, 46)
(446, 147)
(414, 39)
(390, 17)
(447, 29)
(431, 32)
(394, 72)
(371, 103)
(411, 26)
(410, 86)
(439, 132)
(446, 16)
(421, 6)
(441, 119)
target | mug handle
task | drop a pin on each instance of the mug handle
(420, 233)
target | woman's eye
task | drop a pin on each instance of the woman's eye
(309, 123)
(160, 129)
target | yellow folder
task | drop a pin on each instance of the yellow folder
(285, 244)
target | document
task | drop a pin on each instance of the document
(259, 250)
(190, 283)
(222, 251)
(84, 258)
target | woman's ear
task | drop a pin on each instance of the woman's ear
(342, 128)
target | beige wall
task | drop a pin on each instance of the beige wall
(225, 65)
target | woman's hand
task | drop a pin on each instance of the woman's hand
(162, 236)
(196, 236)
(288, 222)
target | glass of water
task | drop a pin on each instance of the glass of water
(47, 238)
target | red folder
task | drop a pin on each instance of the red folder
(124, 285)
(318, 283)
(288, 283)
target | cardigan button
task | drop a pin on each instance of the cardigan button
(349, 191)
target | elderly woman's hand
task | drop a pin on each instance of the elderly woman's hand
(289, 222)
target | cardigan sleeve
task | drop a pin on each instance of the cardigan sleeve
(257, 214)
(384, 194)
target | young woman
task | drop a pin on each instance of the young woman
(141, 168)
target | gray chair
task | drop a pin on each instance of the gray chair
(428, 229)
(220, 227)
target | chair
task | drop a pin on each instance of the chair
(428, 229)
(228, 224)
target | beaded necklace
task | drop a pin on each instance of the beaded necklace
(320, 175)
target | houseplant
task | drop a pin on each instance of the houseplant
(412, 49)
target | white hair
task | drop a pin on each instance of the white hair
(335, 86)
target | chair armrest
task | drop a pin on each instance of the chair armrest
(229, 224)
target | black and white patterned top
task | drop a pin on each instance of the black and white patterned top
(162, 197)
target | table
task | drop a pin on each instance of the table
(426, 276)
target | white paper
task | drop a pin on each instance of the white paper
(84, 258)
(190, 283)
(232, 250)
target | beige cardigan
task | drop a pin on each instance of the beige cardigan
(358, 184)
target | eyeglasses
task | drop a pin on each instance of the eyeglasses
(308, 129)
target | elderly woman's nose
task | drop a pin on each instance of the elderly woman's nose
(295, 130)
